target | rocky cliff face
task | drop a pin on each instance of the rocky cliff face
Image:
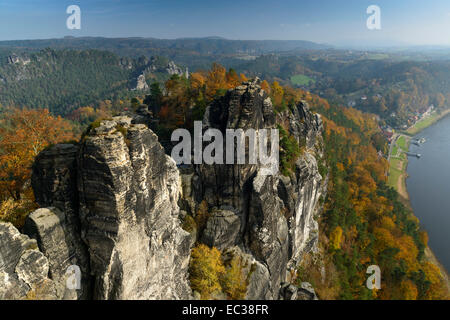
(139, 84)
(110, 207)
(129, 189)
(15, 59)
(23, 268)
(269, 218)
(152, 66)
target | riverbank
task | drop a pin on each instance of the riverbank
(398, 160)
(398, 164)
(426, 122)
(431, 257)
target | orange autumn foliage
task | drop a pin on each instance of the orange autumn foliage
(436, 291)
(216, 79)
(265, 86)
(197, 81)
(24, 133)
(232, 79)
(408, 251)
(409, 290)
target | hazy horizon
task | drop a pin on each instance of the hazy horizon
(403, 23)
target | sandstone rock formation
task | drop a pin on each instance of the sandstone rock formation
(129, 189)
(15, 59)
(140, 83)
(222, 229)
(23, 268)
(291, 292)
(57, 226)
(110, 206)
(270, 218)
(154, 65)
(172, 69)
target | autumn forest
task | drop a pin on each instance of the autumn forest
(363, 220)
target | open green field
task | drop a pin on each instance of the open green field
(394, 173)
(301, 80)
(401, 142)
(394, 150)
(397, 165)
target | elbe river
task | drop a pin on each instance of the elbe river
(429, 187)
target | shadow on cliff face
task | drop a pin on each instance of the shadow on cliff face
(270, 219)
(112, 205)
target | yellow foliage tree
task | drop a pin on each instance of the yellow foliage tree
(340, 166)
(16, 211)
(277, 93)
(205, 270)
(233, 282)
(384, 239)
(436, 291)
(409, 290)
(408, 251)
(424, 238)
(336, 238)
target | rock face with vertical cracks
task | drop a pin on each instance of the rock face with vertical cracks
(56, 226)
(129, 189)
(275, 212)
(109, 206)
(24, 270)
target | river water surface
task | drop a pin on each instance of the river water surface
(429, 187)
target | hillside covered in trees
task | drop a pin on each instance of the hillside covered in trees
(397, 86)
(195, 53)
(363, 222)
(391, 86)
(64, 80)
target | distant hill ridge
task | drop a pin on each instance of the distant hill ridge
(215, 45)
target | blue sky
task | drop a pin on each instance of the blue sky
(325, 21)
